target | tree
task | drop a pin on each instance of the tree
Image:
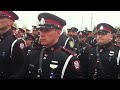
(86, 29)
(94, 29)
(117, 28)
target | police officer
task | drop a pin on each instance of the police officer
(53, 61)
(29, 39)
(104, 58)
(91, 40)
(12, 50)
(117, 39)
(20, 33)
(36, 42)
(83, 52)
(27, 31)
(73, 35)
(66, 41)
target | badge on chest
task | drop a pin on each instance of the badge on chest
(111, 53)
(53, 64)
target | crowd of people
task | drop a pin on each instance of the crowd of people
(50, 53)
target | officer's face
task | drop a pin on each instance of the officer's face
(72, 33)
(69, 33)
(82, 38)
(103, 39)
(4, 23)
(35, 32)
(20, 34)
(118, 39)
(49, 37)
(28, 42)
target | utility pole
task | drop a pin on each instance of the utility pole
(82, 23)
(91, 20)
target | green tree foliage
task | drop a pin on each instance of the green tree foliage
(94, 29)
(85, 30)
(117, 27)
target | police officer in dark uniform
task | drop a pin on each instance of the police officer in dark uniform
(66, 41)
(117, 38)
(53, 61)
(104, 58)
(29, 39)
(36, 34)
(83, 52)
(20, 33)
(12, 50)
(91, 40)
(73, 35)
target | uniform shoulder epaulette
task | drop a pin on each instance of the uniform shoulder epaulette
(68, 51)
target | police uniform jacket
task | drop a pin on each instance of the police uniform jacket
(83, 56)
(91, 41)
(69, 43)
(108, 55)
(11, 58)
(53, 61)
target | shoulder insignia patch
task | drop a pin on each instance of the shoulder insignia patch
(22, 46)
(76, 65)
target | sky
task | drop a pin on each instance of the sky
(78, 19)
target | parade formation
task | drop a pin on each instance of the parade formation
(50, 53)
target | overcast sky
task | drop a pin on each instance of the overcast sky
(78, 19)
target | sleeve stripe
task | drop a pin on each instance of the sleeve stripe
(65, 66)
(118, 58)
(65, 43)
(14, 44)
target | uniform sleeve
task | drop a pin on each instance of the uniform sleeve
(73, 70)
(18, 57)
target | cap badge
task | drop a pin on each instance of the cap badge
(80, 33)
(101, 28)
(76, 64)
(42, 22)
(53, 66)
(22, 46)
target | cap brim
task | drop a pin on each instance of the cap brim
(103, 31)
(49, 26)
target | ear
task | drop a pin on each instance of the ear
(111, 36)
